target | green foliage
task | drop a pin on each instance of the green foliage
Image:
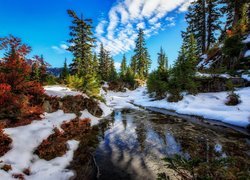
(90, 86)
(65, 71)
(74, 81)
(162, 61)
(112, 72)
(123, 67)
(184, 70)
(87, 84)
(129, 77)
(221, 168)
(232, 46)
(157, 83)
(51, 80)
(81, 42)
(141, 62)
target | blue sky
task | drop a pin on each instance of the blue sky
(44, 25)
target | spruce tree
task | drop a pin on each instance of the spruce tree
(162, 61)
(95, 64)
(104, 61)
(81, 43)
(213, 22)
(112, 71)
(65, 70)
(196, 18)
(133, 65)
(141, 56)
(123, 67)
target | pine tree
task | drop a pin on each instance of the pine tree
(112, 71)
(133, 65)
(184, 70)
(81, 44)
(123, 70)
(104, 61)
(213, 22)
(162, 61)
(141, 56)
(95, 64)
(234, 11)
(65, 70)
(196, 18)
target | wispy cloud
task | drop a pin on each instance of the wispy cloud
(61, 49)
(119, 31)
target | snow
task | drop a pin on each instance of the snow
(207, 105)
(246, 76)
(61, 91)
(26, 139)
(247, 40)
(247, 54)
(227, 76)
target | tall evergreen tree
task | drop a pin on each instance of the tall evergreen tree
(162, 61)
(133, 65)
(112, 71)
(123, 70)
(95, 64)
(142, 56)
(65, 70)
(81, 44)
(104, 61)
(196, 18)
(213, 22)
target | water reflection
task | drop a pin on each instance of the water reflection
(133, 143)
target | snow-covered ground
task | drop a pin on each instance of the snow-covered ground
(227, 76)
(207, 105)
(27, 138)
(61, 91)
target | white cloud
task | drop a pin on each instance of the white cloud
(171, 21)
(61, 49)
(119, 31)
(185, 6)
(117, 66)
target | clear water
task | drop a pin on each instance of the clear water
(131, 144)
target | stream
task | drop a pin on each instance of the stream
(130, 144)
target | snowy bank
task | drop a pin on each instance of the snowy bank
(26, 139)
(206, 105)
(61, 91)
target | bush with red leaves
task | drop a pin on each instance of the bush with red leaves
(19, 96)
(5, 142)
(55, 145)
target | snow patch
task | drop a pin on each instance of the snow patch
(207, 105)
(247, 40)
(61, 91)
(27, 138)
(247, 54)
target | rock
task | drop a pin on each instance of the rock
(47, 107)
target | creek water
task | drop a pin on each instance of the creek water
(130, 144)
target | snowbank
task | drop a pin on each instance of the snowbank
(26, 139)
(61, 91)
(247, 54)
(247, 40)
(207, 105)
(227, 76)
(246, 76)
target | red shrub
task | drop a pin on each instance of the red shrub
(5, 142)
(19, 96)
